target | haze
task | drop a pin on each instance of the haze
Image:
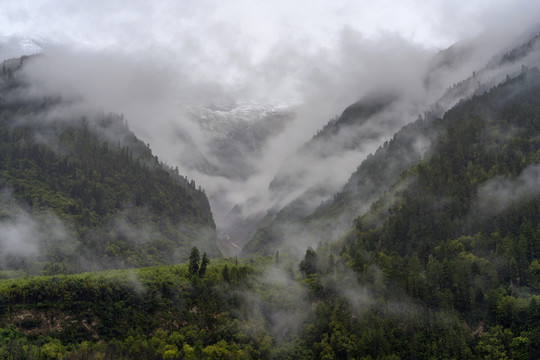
(157, 62)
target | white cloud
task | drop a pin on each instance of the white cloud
(498, 194)
(150, 60)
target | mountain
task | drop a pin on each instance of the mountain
(236, 134)
(450, 247)
(80, 191)
(352, 131)
(443, 264)
(234, 140)
(479, 178)
(329, 216)
(431, 249)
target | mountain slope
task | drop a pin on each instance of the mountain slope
(441, 262)
(235, 136)
(480, 176)
(457, 237)
(379, 171)
(107, 200)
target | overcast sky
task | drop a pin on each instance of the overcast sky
(217, 29)
(228, 41)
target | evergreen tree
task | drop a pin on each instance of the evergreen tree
(308, 266)
(194, 260)
(533, 314)
(536, 242)
(204, 263)
(527, 235)
(225, 274)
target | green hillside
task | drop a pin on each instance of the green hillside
(459, 235)
(380, 170)
(440, 257)
(149, 313)
(96, 194)
(447, 259)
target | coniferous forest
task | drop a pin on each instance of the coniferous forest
(119, 257)
(122, 205)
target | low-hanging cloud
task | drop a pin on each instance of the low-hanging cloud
(192, 56)
(19, 237)
(500, 193)
(24, 236)
(156, 95)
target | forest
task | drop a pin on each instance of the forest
(104, 186)
(444, 264)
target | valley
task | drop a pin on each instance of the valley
(405, 226)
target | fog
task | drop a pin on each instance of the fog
(24, 236)
(500, 193)
(251, 102)
(155, 64)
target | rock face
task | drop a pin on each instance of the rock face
(236, 135)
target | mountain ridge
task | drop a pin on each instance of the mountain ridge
(415, 141)
(78, 166)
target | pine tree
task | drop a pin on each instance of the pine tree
(533, 314)
(526, 234)
(536, 242)
(194, 259)
(225, 274)
(308, 266)
(204, 263)
(514, 272)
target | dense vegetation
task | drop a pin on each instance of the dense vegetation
(370, 180)
(112, 201)
(150, 313)
(461, 240)
(445, 264)
(447, 260)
